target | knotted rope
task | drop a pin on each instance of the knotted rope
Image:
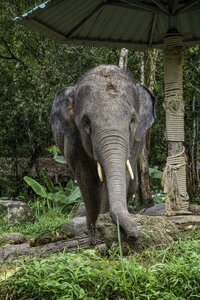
(174, 178)
(174, 182)
(174, 106)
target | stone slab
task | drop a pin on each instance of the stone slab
(185, 222)
(190, 219)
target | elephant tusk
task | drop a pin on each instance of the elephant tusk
(130, 169)
(99, 171)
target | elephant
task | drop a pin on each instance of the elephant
(99, 124)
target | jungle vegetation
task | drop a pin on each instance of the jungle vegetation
(32, 70)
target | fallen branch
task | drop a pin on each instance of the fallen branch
(10, 252)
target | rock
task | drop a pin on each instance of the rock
(195, 208)
(15, 212)
(155, 231)
(80, 211)
(12, 238)
(156, 210)
(76, 226)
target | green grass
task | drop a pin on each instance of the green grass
(45, 223)
(171, 273)
(168, 274)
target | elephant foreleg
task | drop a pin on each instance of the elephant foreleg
(90, 189)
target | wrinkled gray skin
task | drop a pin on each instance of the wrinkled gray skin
(103, 118)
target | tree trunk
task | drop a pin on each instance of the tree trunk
(145, 195)
(144, 191)
(192, 171)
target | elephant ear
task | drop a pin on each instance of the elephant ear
(62, 121)
(146, 111)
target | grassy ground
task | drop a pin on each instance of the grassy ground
(45, 223)
(169, 274)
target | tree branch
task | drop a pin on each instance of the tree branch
(10, 251)
(194, 67)
(12, 55)
(6, 57)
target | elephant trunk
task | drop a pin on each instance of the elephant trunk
(113, 156)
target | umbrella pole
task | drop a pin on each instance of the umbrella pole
(174, 178)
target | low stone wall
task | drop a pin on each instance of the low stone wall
(54, 170)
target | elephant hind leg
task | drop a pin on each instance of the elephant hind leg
(92, 210)
(96, 202)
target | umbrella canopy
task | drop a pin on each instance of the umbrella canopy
(142, 24)
(124, 23)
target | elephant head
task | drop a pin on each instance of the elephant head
(99, 125)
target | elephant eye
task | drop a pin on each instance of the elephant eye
(132, 119)
(132, 122)
(86, 124)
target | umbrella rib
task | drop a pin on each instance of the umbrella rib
(173, 4)
(187, 6)
(85, 20)
(136, 4)
(161, 6)
(155, 17)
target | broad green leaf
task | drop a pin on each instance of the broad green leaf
(37, 187)
(48, 182)
(75, 195)
(60, 159)
(58, 197)
(70, 187)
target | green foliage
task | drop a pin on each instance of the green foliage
(56, 154)
(56, 195)
(155, 183)
(48, 182)
(168, 274)
(196, 199)
(38, 189)
(158, 197)
(155, 173)
(33, 69)
(60, 159)
(123, 266)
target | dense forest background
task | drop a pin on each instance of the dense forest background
(33, 68)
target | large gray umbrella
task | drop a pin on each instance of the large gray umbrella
(141, 24)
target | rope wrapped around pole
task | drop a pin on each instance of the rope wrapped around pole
(174, 179)
(174, 106)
